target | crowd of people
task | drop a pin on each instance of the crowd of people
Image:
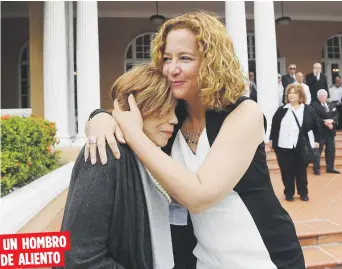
(307, 108)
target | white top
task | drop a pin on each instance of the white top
(178, 214)
(227, 234)
(306, 92)
(289, 131)
(335, 93)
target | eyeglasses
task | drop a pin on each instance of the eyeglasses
(292, 68)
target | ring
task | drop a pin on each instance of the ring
(92, 140)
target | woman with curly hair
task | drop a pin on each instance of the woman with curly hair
(286, 139)
(215, 163)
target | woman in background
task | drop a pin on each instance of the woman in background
(284, 139)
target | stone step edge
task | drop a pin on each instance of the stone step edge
(323, 265)
(320, 238)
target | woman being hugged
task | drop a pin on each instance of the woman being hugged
(215, 163)
(117, 214)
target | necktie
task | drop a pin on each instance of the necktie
(326, 107)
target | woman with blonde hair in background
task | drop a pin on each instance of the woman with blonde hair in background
(292, 123)
(215, 163)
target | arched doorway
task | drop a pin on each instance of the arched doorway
(332, 58)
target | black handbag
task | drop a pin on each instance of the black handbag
(307, 153)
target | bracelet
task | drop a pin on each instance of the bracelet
(97, 111)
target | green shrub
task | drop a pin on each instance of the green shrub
(26, 150)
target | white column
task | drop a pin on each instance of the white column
(70, 65)
(266, 59)
(88, 77)
(55, 69)
(236, 26)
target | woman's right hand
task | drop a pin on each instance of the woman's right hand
(102, 127)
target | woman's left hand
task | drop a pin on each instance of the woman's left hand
(130, 121)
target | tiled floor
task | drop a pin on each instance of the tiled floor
(320, 219)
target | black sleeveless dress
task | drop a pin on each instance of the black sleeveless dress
(255, 190)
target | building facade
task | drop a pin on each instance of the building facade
(61, 58)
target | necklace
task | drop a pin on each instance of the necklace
(190, 137)
(159, 187)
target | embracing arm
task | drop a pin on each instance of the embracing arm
(229, 158)
(88, 216)
(102, 126)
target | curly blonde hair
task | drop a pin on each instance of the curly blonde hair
(298, 89)
(220, 77)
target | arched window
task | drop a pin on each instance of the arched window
(332, 57)
(24, 76)
(138, 50)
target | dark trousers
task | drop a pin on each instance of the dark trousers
(339, 109)
(293, 169)
(184, 242)
(329, 143)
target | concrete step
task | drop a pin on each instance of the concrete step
(323, 256)
(321, 241)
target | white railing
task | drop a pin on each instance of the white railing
(23, 112)
(20, 206)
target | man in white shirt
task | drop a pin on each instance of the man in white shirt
(336, 90)
(299, 80)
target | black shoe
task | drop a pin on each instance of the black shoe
(304, 198)
(317, 173)
(289, 198)
(333, 171)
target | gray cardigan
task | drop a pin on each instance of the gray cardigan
(116, 217)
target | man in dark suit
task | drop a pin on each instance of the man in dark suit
(289, 78)
(328, 117)
(316, 81)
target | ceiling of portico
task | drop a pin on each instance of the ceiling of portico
(297, 10)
